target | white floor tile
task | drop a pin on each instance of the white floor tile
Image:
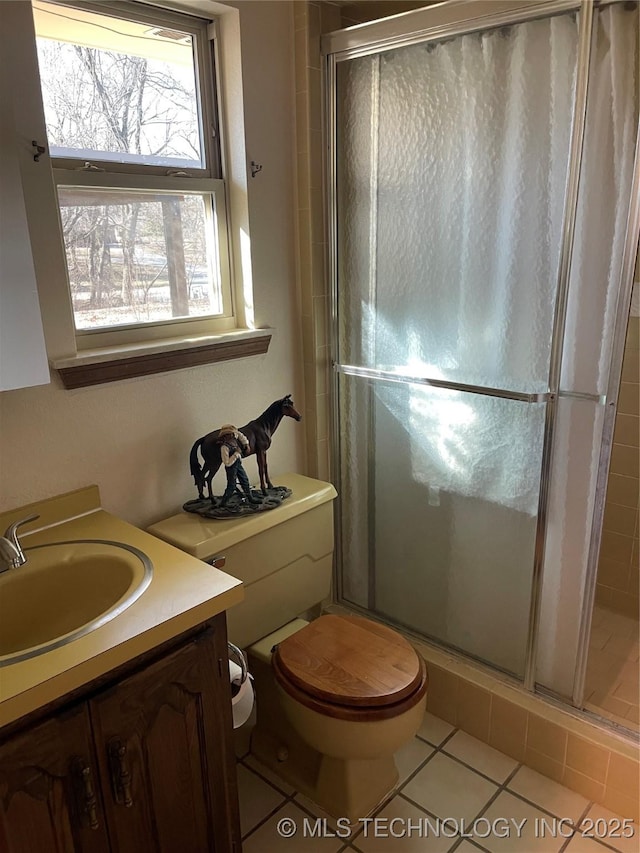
(290, 830)
(330, 820)
(434, 729)
(558, 800)
(578, 844)
(516, 828)
(268, 774)
(607, 827)
(257, 799)
(411, 756)
(447, 789)
(496, 765)
(401, 827)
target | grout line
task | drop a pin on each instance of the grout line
(398, 791)
(584, 813)
(601, 841)
(449, 737)
(502, 787)
(479, 772)
(287, 798)
(264, 779)
(566, 843)
(267, 817)
(458, 838)
(537, 805)
(472, 843)
(430, 743)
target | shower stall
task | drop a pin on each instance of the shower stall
(484, 215)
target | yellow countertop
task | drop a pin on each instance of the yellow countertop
(184, 592)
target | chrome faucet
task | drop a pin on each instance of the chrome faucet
(11, 553)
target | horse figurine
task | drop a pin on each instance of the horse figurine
(258, 433)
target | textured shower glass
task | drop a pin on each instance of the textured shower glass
(421, 544)
(574, 472)
(606, 183)
(452, 165)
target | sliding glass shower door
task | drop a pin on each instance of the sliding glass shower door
(454, 197)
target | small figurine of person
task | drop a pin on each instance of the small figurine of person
(231, 440)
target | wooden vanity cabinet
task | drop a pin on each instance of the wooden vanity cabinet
(158, 745)
(49, 799)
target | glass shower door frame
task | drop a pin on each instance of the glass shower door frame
(433, 24)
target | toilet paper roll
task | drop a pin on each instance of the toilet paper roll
(242, 696)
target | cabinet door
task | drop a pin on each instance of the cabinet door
(49, 797)
(23, 357)
(164, 743)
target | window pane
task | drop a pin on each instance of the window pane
(140, 257)
(116, 89)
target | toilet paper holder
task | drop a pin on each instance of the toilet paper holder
(236, 654)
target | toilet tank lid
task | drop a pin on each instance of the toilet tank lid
(206, 537)
(350, 660)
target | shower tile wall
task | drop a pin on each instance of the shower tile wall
(313, 288)
(360, 12)
(619, 566)
(612, 687)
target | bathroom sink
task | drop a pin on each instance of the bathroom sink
(64, 591)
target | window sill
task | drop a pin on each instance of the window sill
(109, 364)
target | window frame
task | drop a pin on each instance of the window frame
(110, 174)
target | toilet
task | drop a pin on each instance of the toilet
(337, 695)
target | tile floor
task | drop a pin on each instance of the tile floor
(492, 803)
(612, 682)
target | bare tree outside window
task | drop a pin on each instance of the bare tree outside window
(133, 255)
(120, 246)
(101, 104)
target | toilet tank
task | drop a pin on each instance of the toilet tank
(284, 556)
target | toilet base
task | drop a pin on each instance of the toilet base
(351, 788)
(348, 786)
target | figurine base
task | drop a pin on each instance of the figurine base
(237, 506)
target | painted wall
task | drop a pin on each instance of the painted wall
(133, 438)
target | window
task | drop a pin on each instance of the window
(130, 108)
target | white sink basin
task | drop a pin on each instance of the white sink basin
(64, 591)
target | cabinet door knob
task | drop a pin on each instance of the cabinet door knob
(120, 775)
(89, 807)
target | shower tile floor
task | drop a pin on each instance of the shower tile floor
(612, 684)
(492, 803)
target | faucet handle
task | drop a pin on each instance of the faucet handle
(10, 549)
(10, 532)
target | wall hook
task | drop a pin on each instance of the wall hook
(38, 150)
(255, 168)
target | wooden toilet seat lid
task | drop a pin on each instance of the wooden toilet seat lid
(350, 661)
